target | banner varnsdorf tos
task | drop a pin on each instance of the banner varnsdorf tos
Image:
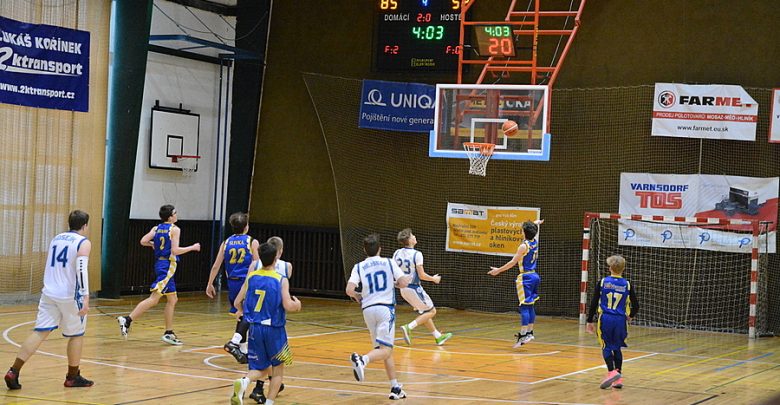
(711, 196)
(704, 111)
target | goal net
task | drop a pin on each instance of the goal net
(680, 284)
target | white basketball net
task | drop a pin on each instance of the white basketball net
(479, 154)
(188, 165)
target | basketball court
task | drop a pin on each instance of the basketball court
(562, 366)
(504, 145)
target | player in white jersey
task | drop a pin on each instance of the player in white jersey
(64, 301)
(282, 267)
(285, 270)
(377, 276)
(410, 260)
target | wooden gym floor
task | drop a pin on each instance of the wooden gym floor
(477, 366)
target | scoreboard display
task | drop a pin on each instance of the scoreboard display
(417, 35)
(495, 40)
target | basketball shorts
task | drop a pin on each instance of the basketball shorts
(417, 298)
(527, 288)
(267, 347)
(380, 320)
(612, 331)
(164, 283)
(234, 286)
(54, 313)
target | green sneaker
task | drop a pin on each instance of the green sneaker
(407, 334)
(443, 338)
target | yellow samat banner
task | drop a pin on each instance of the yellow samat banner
(486, 230)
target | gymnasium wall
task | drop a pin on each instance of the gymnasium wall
(52, 161)
(620, 43)
(195, 85)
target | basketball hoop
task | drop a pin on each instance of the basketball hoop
(188, 164)
(479, 154)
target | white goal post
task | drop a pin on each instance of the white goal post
(685, 285)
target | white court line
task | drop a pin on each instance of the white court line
(481, 354)
(589, 369)
(8, 339)
(208, 362)
(193, 350)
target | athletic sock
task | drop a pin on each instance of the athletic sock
(393, 383)
(412, 324)
(436, 334)
(236, 338)
(73, 371)
(168, 332)
(244, 347)
(269, 402)
(365, 359)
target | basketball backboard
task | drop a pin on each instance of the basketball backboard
(173, 133)
(476, 112)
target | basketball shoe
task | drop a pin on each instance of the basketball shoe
(77, 381)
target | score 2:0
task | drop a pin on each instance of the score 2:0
(393, 4)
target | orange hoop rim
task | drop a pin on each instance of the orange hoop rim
(485, 149)
(175, 158)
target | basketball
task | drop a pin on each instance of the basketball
(509, 127)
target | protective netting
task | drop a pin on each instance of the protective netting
(51, 161)
(385, 182)
(683, 288)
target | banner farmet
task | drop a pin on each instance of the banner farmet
(704, 111)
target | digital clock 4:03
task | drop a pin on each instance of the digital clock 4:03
(495, 40)
(416, 35)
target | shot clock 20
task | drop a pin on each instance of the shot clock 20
(495, 40)
(417, 35)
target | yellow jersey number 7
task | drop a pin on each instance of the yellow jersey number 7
(260, 298)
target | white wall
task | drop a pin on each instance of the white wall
(194, 84)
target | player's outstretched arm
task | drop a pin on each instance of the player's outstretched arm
(594, 305)
(146, 240)
(494, 271)
(238, 303)
(351, 293)
(175, 248)
(255, 248)
(290, 304)
(210, 291)
(436, 279)
(289, 270)
(82, 274)
(352, 283)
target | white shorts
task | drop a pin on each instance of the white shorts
(60, 313)
(417, 298)
(380, 320)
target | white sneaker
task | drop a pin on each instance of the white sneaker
(123, 326)
(520, 340)
(358, 366)
(529, 337)
(397, 393)
(239, 388)
(171, 339)
(407, 334)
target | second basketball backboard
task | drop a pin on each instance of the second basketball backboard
(476, 113)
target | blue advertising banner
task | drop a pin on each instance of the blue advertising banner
(397, 106)
(44, 66)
